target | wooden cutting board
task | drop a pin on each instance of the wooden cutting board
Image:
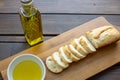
(85, 68)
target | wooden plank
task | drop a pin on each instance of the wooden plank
(112, 73)
(8, 49)
(52, 24)
(17, 39)
(1, 77)
(66, 6)
(12, 39)
(9, 45)
(84, 67)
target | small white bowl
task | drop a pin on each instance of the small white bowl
(21, 58)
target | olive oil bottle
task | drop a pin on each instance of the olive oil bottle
(31, 21)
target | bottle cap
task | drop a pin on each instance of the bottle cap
(26, 1)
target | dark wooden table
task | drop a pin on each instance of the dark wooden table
(58, 16)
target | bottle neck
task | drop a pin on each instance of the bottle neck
(28, 9)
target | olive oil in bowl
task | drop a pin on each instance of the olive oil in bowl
(27, 70)
(26, 67)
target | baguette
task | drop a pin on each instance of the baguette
(56, 57)
(52, 66)
(80, 47)
(72, 56)
(86, 44)
(103, 36)
(66, 58)
(75, 52)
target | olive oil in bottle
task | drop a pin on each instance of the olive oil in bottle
(31, 21)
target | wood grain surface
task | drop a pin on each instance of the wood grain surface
(66, 6)
(58, 16)
(89, 66)
(11, 32)
(52, 24)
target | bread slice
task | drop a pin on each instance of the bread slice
(66, 58)
(86, 44)
(56, 57)
(52, 66)
(75, 52)
(79, 47)
(103, 36)
(72, 56)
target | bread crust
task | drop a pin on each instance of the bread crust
(86, 44)
(67, 52)
(103, 36)
(66, 58)
(56, 57)
(79, 47)
(52, 66)
(72, 56)
(75, 52)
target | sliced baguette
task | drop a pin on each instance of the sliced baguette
(86, 44)
(75, 52)
(56, 57)
(79, 47)
(103, 36)
(72, 56)
(52, 66)
(66, 58)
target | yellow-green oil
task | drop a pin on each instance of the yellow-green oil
(32, 24)
(27, 70)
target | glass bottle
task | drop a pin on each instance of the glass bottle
(31, 22)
